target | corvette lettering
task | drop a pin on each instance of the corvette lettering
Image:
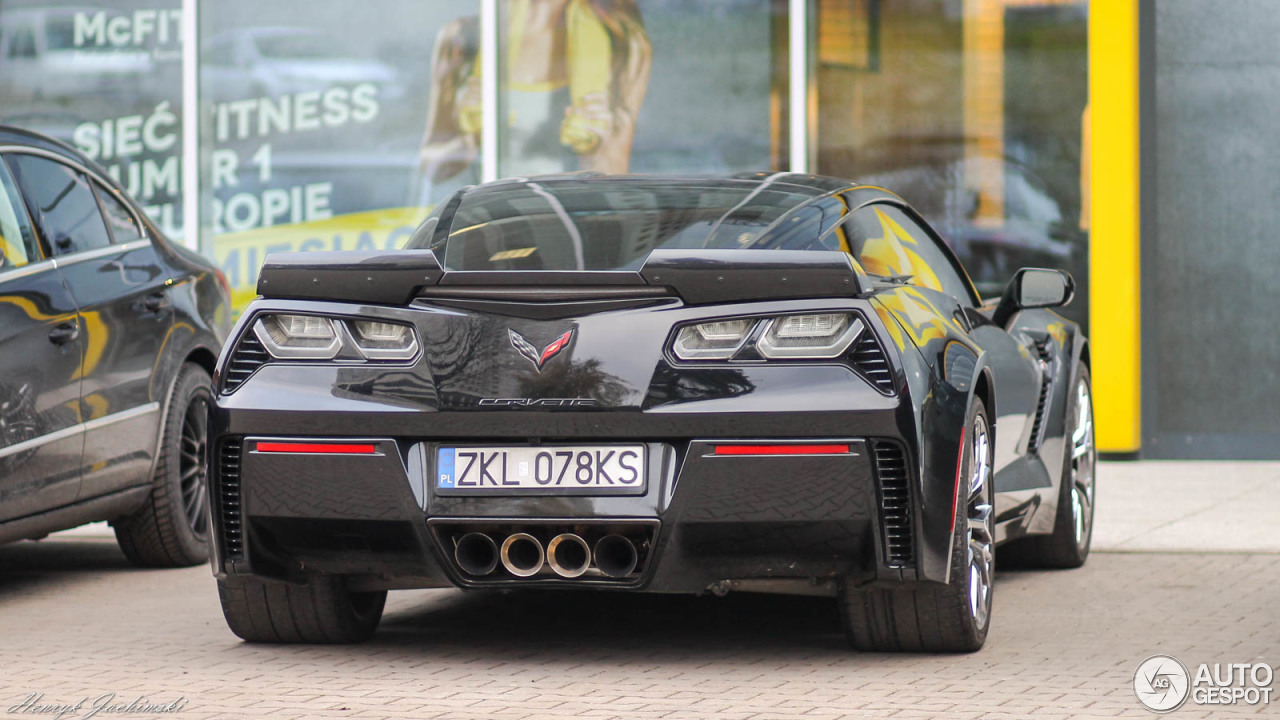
(539, 402)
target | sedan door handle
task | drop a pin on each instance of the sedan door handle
(64, 333)
(155, 302)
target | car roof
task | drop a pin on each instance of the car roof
(11, 135)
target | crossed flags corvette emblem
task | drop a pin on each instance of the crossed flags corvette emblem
(529, 352)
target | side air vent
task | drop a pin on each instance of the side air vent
(245, 361)
(228, 489)
(1037, 427)
(871, 363)
(895, 503)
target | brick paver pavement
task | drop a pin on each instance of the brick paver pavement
(76, 621)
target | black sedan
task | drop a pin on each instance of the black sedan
(108, 337)
(772, 383)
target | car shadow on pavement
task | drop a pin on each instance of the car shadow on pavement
(555, 625)
(525, 622)
(30, 562)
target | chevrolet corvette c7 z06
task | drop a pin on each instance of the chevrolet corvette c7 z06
(777, 383)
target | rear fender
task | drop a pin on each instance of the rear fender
(944, 372)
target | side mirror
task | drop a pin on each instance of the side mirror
(1034, 288)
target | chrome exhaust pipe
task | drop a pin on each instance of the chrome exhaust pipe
(476, 553)
(616, 556)
(522, 555)
(568, 555)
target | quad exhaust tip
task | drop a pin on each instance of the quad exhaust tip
(476, 553)
(616, 556)
(522, 555)
(568, 555)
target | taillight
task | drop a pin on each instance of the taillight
(718, 340)
(298, 336)
(383, 340)
(316, 337)
(809, 336)
(823, 336)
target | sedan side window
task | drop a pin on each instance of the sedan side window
(17, 241)
(124, 226)
(62, 204)
(888, 242)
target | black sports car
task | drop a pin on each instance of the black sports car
(108, 336)
(777, 383)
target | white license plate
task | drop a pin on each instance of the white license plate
(552, 468)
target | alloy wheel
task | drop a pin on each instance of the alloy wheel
(980, 532)
(192, 468)
(1083, 457)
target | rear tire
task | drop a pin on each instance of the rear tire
(1068, 545)
(929, 617)
(323, 611)
(172, 528)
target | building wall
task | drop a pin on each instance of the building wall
(1210, 255)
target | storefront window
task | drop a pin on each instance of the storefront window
(322, 128)
(313, 124)
(972, 110)
(105, 77)
(618, 86)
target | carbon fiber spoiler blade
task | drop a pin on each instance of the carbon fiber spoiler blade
(698, 277)
(704, 277)
(392, 277)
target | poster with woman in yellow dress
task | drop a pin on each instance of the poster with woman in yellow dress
(574, 77)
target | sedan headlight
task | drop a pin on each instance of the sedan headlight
(822, 336)
(719, 340)
(298, 336)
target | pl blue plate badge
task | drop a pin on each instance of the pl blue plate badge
(444, 468)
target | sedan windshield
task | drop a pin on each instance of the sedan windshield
(613, 224)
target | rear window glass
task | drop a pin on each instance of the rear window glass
(614, 224)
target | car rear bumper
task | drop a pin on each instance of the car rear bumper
(703, 520)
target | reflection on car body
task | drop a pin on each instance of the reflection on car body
(1033, 230)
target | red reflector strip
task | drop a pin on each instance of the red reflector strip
(782, 450)
(318, 448)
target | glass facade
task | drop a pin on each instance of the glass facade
(971, 110)
(107, 78)
(312, 124)
(326, 127)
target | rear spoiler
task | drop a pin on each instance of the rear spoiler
(717, 276)
(698, 277)
(391, 277)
